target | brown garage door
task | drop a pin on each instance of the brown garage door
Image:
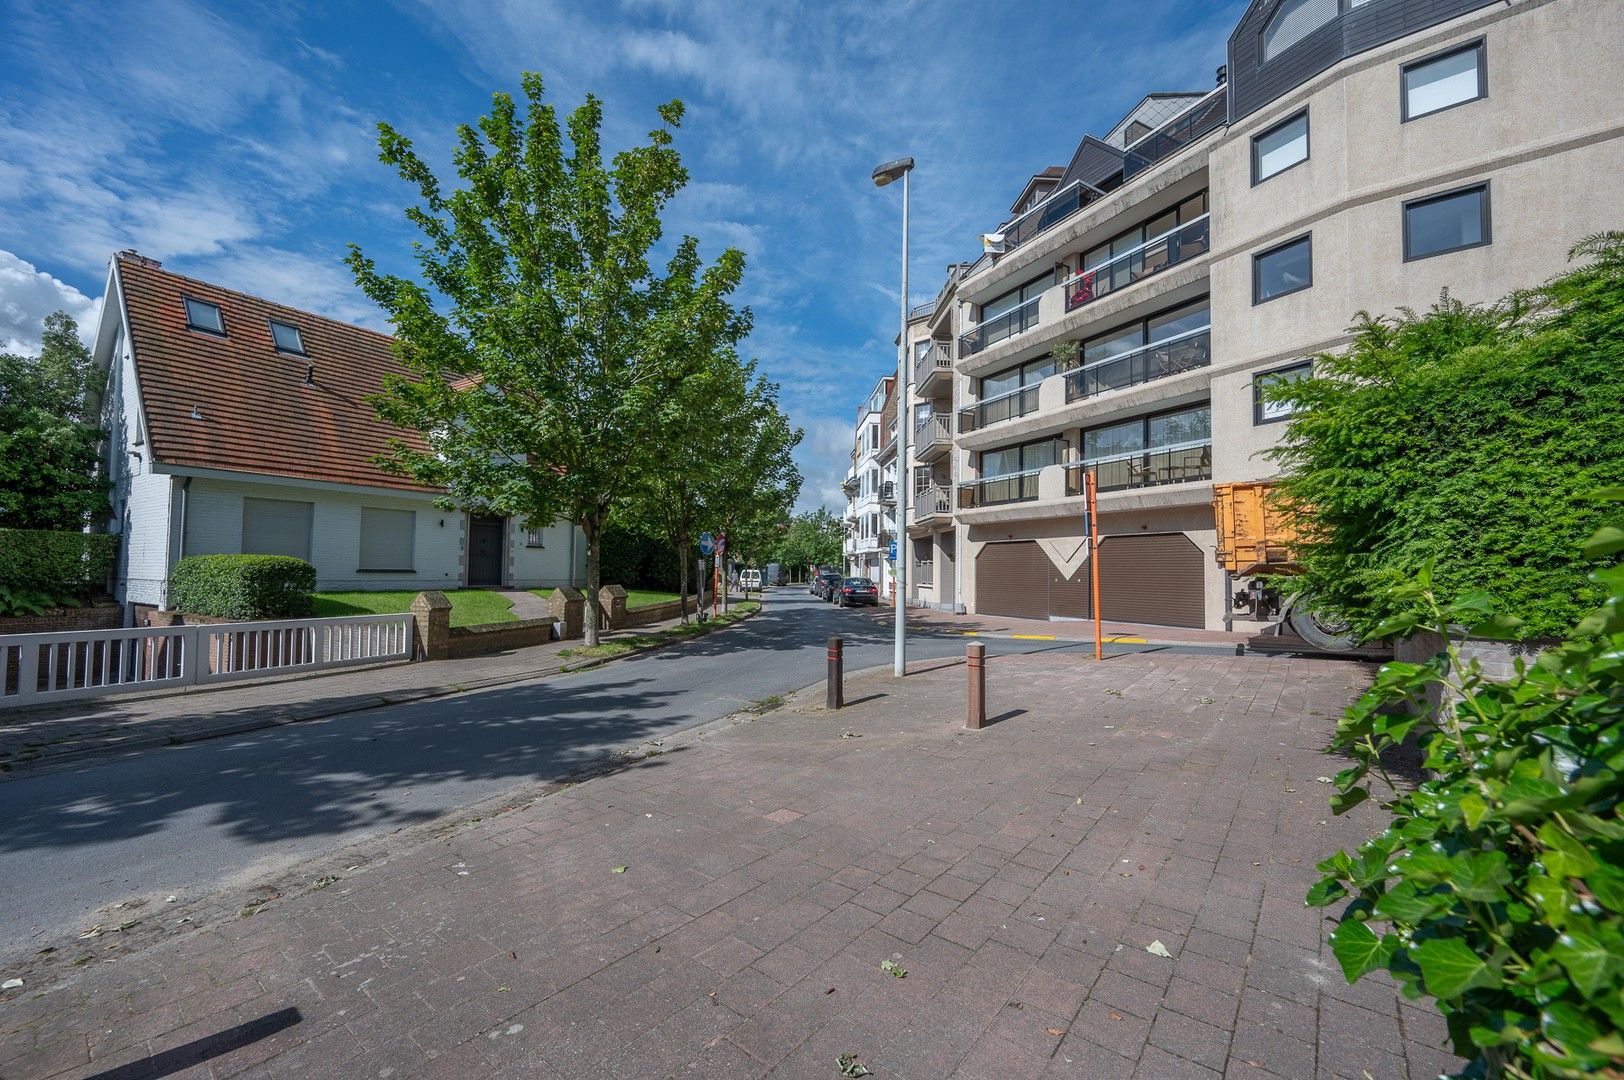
(1152, 579)
(1016, 579)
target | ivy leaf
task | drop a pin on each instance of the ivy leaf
(1479, 876)
(1473, 808)
(1572, 1030)
(1343, 801)
(1585, 959)
(1359, 950)
(1325, 891)
(1451, 968)
(1608, 540)
(1404, 902)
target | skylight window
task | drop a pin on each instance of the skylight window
(287, 338)
(201, 315)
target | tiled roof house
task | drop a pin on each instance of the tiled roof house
(236, 424)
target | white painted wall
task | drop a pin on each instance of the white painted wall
(139, 501)
(548, 565)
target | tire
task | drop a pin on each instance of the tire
(1322, 633)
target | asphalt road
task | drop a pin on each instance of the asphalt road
(185, 819)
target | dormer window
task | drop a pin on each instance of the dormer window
(287, 338)
(204, 316)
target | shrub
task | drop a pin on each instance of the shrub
(1499, 885)
(243, 586)
(1467, 437)
(45, 568)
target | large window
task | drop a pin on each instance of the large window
(1015, 298)
(276, 527)
(1279, 148)
(1265, 411)
(287, 338)
(1164, 448)
(1444, 223)
(1023, 458)
(1284, 269)
(1442, 82)
(1294, 20)
(386, 539)
(202, 315)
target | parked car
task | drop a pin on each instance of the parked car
(854, 591)
(823, 585)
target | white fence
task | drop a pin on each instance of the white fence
(38, 669)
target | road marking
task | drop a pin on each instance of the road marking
(1128, 640)
(1033, 637)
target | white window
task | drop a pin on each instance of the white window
(287, 338)
(202, 315)
(1442, 82)
(1279, 148)
(386, 538)
(276, 527)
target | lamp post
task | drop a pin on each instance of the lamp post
(883, 175)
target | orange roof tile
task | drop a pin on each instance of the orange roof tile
(257, 413)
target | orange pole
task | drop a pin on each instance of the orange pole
(1094, 560)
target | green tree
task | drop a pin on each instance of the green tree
(750, 498)
(539, 383)
(1468, 438)
(813, 538)
(49, 465)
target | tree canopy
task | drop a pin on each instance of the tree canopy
(49, 474)
(1473, 438)
(813, 538)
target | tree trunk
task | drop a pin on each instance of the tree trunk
(594, 554)
(682, 571)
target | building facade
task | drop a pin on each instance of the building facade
(1355, 155)
(870, 488)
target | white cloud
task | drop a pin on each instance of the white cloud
(824, 456)
(27, 295)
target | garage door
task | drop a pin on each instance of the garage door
(1153, 579)
(1017, 580)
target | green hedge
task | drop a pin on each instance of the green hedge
(63, 566)
(243, 586)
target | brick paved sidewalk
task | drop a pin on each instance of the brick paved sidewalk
(34, 738)
(1059, 629)
(1016, 874)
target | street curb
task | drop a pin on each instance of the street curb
(70, 758)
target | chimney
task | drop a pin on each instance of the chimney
(132, 255)
(310, 375)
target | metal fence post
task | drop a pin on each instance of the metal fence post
(975, 658)
(836, 696)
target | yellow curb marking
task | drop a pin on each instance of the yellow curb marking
(1033, 637)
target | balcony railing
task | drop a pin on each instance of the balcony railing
(935, 360)
(924, 573)
(1047, 214)
(1014, 487)
(935, 430)
(1007, 325)
(1148, 468)
(1175, 355)
(1006, 406)
(930, 501)
(1152, 257)
(1179, 132)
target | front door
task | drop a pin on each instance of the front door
(485, 551)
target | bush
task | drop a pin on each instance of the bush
(44, 568)
(243, 586)
(1499, 885)
(1469, 438)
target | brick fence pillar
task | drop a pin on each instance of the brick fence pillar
(431, 626)
(612, 602)
(568, 606)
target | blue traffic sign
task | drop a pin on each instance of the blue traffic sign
(707, 543)
(892, 555)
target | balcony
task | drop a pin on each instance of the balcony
(1047, 214)
(1210, 112)
(1007, 406)
(931, 501)
(1144, 469)
(997, 490)
(934, 437)
(1015, 321)
(1148, 259)
(1174, 356)
(933, 369)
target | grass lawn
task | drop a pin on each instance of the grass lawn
(469, 607)
(735, 612)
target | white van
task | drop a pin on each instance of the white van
(750, 580)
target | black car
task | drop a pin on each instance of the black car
(824, 585)
(853, 591)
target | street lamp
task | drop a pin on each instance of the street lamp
(883, 175)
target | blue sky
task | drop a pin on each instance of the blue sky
(236, 142)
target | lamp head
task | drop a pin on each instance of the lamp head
(892, 170)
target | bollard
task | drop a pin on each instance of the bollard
(975, 659)
(836, 697)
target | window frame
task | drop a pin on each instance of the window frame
(187, 300)
(535, 538)
(297, 333)
(1258, 377)
(1485, 213)
(1308, 146)
(1259, 256)
(1478, 45)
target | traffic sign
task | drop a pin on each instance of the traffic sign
(707, 543)
(892, 555)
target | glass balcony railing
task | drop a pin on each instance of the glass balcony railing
(1007, 406)
(1014, 487)
(1047, 214)
(1148, 468)
(1007, 325)
(1175, 355)
(1152, 257)
(1179, 132)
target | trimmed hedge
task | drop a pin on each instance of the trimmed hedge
(243, 586)
(61, 565)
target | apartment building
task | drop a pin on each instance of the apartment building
(1353, 155)
(870, 487)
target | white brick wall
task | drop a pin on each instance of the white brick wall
(548, 565)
